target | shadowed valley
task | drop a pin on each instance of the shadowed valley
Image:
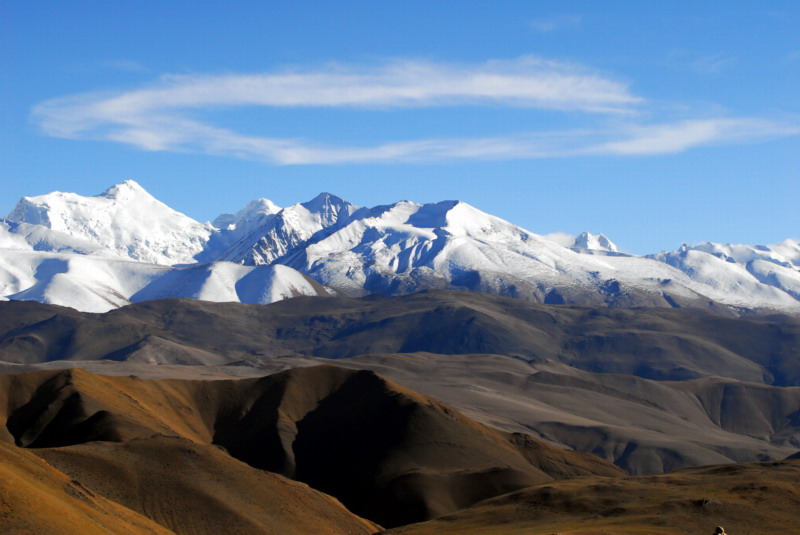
(387, 453)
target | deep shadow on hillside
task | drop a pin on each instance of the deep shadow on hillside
(125, 455)
(657, 344)
(389, 454)
(746, 499)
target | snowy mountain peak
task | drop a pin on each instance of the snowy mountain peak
(279, 234)
(328, 208)
(458, 218)
(253, 211)
(76, 250)
(594, 242)
(125, 219)
(786, 253)
(429, 216)
(321, 200)
(126, 190)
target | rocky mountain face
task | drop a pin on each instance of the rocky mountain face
(96, 253)
(291, 228)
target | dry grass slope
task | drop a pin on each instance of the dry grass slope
(36, 498)
(389, 454)
(747, 499)
(197, 489)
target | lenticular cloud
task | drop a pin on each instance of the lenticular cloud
(527, 82)
(167, 115)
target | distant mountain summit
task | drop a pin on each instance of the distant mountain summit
(254, 213)
(289, 228)
(96, 253)
(586, 241)
(124, 219)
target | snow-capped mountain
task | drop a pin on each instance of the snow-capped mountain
(102, 252)
(124, 245)
(786, 254)
(18, 235)
(253, 215)
(124, 219)
(406, 247)
(776, 266)
(587, 242)
(289, 228)
(98, 284)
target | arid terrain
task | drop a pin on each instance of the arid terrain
(172, 448)
(399, 267)
(438, 412)
(650, 390)
(746, 499)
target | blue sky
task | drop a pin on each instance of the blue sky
(656, 123)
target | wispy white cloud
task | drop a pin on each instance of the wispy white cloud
(525, 82)
(184, 135)
(562, 238)
(556, 22)
(684, 135)
(702, 63)
(167, 115)
(713, 63)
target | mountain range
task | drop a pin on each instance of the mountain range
(324, 449)
(121, 246)
(649, 390)
(387, 453)
(476, 377)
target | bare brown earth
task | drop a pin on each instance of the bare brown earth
(387, 453)
(661, 344)
(746, 499)
(195, 489)
(642, 425)
(36, 498)
(650, 390)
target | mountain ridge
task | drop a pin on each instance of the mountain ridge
(387, 453)
(651, 390)
(391, 250)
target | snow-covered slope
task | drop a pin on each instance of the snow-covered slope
(87, 283)
(253, 215)
(232, 230)
(752, 268)
(94, 284)
(124, 219)
(406, 247)
(225, 282)
(587, 242)
(24, 236)
(289, 228)
(94, 253)
(786, 254)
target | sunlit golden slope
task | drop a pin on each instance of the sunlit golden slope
(36, 498)
(389, 454)
(196, 489)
